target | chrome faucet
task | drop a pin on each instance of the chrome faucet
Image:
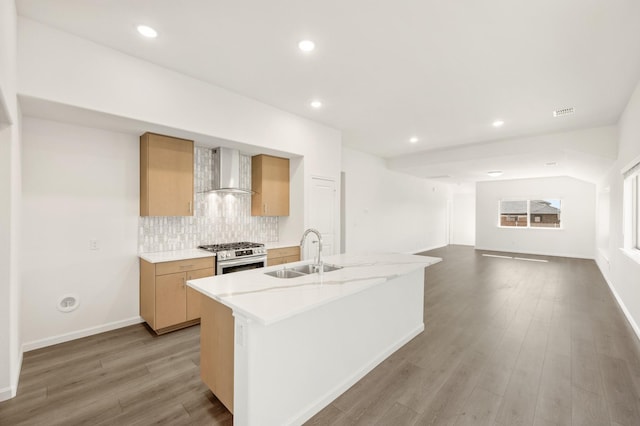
(318, 262)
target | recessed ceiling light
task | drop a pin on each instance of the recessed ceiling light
(550, 163)
(497, 123)
(413, 140)
(147, 31)
(316, 104)
(495, 173)
(306, 45)
(561, 112)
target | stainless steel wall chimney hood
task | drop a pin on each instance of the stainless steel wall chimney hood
(225, 164)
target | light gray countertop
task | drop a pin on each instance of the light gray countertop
(169, 256)
(267, 299)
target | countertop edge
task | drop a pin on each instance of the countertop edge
(171, 256)
(237, 310)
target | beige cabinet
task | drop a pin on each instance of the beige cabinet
(166, 303)
(217, 350)
(166, 176)
(270, 186)
(283, 255)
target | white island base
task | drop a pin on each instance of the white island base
(299, 343)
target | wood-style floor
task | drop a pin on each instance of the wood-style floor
(507, 342)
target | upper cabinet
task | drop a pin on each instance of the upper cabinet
(270, 185)
(166, 176)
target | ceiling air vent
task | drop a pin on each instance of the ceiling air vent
(563, 111)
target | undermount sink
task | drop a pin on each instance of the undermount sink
(312, 269)
(301, 271)
(285, 273)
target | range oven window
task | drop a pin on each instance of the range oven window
(227, 268)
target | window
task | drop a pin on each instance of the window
(632, 208)
(513, 213)
(530, 213)
(637, 211)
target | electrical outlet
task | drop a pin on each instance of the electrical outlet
(93, 245)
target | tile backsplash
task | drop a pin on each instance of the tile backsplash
(218, 218)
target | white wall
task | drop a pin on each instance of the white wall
(576, 238)
(68, 205)
(10, 351)
(79, 184)
(390, 211)
(62, 68)
(463, 215)
(622, 272)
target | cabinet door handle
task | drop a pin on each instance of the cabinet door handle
(184, 282)
(190, 209)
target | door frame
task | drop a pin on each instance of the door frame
(336, 213)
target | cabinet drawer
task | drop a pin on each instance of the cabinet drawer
(184, 265)
(284, 252)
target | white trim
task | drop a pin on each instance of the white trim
(630, 165)
(61, 338)
(6, 393)
(11, 391)
(314, 408)
(560, 228)
(625, 311)
(424, 249)
(631, 253)
(604, 253)
(537, 253)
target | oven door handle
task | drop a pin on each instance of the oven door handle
(243, 261)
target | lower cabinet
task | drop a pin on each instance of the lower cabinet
(217, 351)
(166, 303)
(282, 255)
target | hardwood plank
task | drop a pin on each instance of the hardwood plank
(585, 371)
(480, 409)
(519, 403)
(619, 392)
(398, 414)
(554, 397)
(506, 342)
(451, 397)
(330, 416)
(588, 409)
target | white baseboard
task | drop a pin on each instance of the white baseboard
(570, 255)
(625, 311)
(311, 410)
(11, 391)
(424, 249)
(7, 393)
(61, 338)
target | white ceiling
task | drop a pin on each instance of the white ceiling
(385, 71)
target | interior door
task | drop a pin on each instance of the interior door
(322, 216)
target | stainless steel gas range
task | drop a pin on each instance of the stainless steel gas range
(235, 257)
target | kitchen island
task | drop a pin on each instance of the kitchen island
(275, 351)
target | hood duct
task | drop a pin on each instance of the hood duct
(225, 167)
